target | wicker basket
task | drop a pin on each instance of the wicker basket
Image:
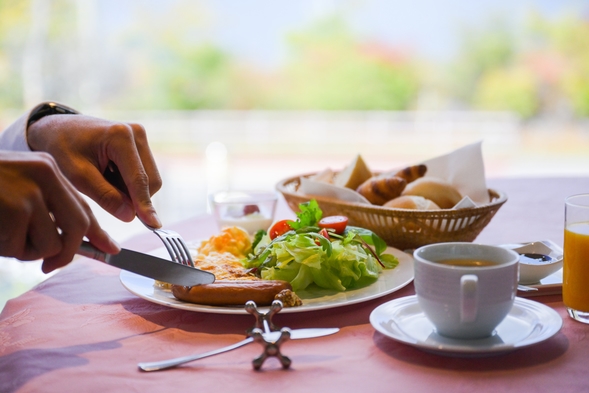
(401, 228)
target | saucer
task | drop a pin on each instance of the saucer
(527, 323)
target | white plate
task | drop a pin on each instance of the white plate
(390, 280)
(527, 323)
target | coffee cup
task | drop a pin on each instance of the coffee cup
(465, 289)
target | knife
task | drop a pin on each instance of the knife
(149, 266)
(295, 334)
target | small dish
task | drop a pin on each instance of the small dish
(527, 323)
(250, 210)
(538, 260)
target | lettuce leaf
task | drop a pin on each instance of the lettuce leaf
(298, 259)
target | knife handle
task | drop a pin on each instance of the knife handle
(88, 250)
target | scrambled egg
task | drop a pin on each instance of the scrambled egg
(222, 254)
(233, 240)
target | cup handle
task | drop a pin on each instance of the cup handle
(468, 298)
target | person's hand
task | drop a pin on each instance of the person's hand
(85, 146)
(41, 213)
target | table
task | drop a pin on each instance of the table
(82, 330)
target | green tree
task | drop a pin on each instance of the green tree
(482, 50)
(330, 69)
(13, 31)
(507, 89)
(568, 36)
(169, 67)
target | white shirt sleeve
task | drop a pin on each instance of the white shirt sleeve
(15, 136)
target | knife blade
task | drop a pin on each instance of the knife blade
(149, 266)
(295, 334)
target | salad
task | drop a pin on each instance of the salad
(323, 251)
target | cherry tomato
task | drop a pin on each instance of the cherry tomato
(323, 232)
(337, 223)
(279, 228)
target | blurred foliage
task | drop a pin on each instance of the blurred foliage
(162, 61)
(330, 69)
(482, 51)
(507, 89)
(13, 29)
(567, 40)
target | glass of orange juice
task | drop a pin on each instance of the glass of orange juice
(575, 285)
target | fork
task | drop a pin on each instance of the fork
(174, 243)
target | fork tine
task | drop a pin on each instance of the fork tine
(177, 254)
(178, 250)
(171, 251)
(185, 251)
(176, 247)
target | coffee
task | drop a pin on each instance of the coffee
(466, 262)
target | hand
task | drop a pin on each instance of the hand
(41, 213)
(83, 147)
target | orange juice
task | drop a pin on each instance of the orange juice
(575, 285)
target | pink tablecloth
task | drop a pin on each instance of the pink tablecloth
(81, 330)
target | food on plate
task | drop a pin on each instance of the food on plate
(224, 265)
(289, 298)
(292, 256)
(233, 240)
(233, 292)
(413, 202)
(379, 190)
(337, 223)
(412, 173)
(437, 190)
(356, 173)
(279, 228)
(308, 255)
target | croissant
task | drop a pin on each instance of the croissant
(379, 190)
(412, 173)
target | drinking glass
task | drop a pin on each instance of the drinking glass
(575, 285)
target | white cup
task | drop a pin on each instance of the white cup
(465, 302)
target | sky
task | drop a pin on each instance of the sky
(255, 29)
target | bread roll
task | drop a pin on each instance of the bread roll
(379, 190)
(413, 202)
(412, 173)
(437, 190)
(353, 175)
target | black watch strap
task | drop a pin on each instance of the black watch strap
(49, 108)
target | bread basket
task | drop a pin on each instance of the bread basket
(400, 228)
